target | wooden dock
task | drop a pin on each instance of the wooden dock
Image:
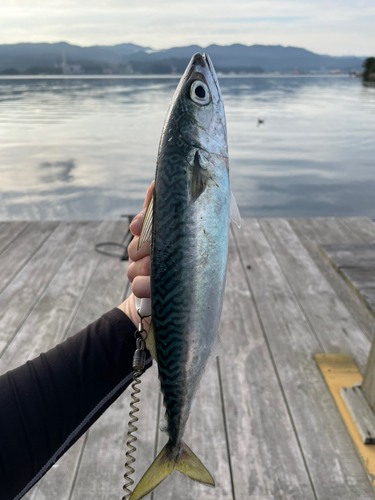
(264, 422)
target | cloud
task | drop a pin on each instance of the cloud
(324, 26)
(264, 19)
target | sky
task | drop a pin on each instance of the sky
(334, 27)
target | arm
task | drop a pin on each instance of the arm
(49, 402)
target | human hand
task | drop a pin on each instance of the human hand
(138, 271)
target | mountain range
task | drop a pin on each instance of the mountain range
(127, 58)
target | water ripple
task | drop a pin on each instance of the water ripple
(86, 148)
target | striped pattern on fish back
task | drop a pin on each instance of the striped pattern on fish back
(172, 274)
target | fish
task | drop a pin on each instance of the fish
(187, 225)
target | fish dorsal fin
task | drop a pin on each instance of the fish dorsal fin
(146, 230)
(199, 177)
(234, 215)
(150, 341)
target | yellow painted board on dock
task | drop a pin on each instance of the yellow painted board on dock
(339, 370)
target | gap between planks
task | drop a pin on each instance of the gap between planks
(285, 324)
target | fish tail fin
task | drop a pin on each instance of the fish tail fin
(187, 463)
(160, 468)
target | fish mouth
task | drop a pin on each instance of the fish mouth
(206, 57)
(199, 59)
(204, 61)
(211, 69)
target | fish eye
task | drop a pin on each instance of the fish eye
(199, 93)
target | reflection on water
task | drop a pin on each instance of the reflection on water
(86, 148)
(57, 171)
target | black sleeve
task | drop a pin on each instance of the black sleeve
(48, 403)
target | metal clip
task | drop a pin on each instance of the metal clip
(139, 359)
(140, 344)
(139, 362)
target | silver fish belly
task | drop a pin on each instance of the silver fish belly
(189, 245)
(188, 266)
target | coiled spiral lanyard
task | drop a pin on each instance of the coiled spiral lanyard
(139, 361)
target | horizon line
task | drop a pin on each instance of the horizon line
(178, 46)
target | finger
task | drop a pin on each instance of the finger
(139, 268)
(141, 287)
(136, 254)
(148, 194)
(136, 224)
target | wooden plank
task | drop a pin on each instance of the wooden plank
(48, 322)
(16, 255)
(362, 226)
(105, 290)
(47, 325)
(368, 384)
(363, 282)
(107, 287)
(351, 255)
(325, 230)
(101, 469)
(21, 295)
(205, 435)
(331, 322)
(329, 454)
(366, 230)
(248, 415)
(265, 453)
(358, 273)
(363, 279)
(311, 232)
(315, 298)
(339, 371)
(360, 412)
(9, 231)
(343, 231)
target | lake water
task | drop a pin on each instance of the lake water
(85, 148)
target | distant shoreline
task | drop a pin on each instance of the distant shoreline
(164, 77)
(39, 59)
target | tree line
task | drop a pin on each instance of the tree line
(369, 69)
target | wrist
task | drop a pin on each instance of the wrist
(128, 307)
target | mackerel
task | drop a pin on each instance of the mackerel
(187, 222)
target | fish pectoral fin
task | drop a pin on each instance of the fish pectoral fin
(160, 468)
(234, 213)
(189, 464)
(150, 342)
(199, 177)
(146, 230)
